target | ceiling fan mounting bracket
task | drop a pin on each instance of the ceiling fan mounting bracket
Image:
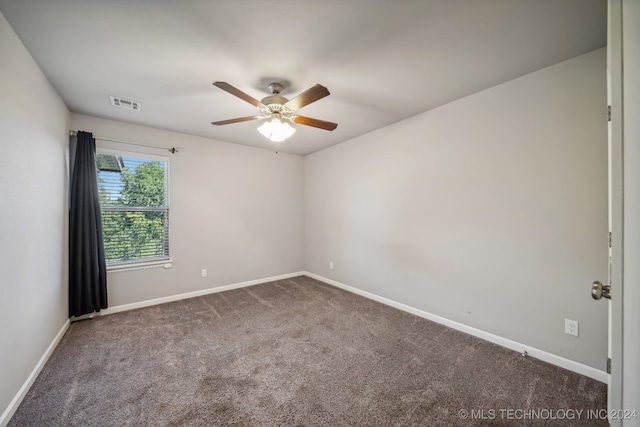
(271, 83)
(276, 88)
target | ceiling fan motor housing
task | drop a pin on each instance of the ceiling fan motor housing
(274, 104)
(274, 99)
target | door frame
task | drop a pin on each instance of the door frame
(630, 143)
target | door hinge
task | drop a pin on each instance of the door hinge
(608, 365)
(608, 113)
(609, 239)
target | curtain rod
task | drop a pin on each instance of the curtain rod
(172, 150)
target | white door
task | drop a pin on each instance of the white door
(615, 279)
(624, 208)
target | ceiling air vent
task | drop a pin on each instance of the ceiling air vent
(125, 103)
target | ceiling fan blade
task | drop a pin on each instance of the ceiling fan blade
(314, 122)
(238, 120)
(237, 92)
(307, 97)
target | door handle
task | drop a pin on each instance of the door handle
(598, 290)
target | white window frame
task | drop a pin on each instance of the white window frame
(165, 262)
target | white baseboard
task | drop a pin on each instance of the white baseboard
(147, 303)
(562, 362)
(13, 406)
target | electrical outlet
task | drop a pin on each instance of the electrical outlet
(331, 265)
(204, 272)
(571, 327)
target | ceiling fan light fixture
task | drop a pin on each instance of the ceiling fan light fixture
(276, 130)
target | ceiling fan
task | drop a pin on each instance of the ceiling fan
(277, 108)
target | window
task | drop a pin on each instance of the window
(134, 200)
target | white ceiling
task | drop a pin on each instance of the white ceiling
(382, 61)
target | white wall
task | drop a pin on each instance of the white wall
(490, 211)
(33, 214)
(236, 211)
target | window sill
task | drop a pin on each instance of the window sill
(167, 263)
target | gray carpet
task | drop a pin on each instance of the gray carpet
(292, 352)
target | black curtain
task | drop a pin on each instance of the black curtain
(87, 264)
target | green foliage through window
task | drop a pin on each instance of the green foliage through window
(135, 212)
